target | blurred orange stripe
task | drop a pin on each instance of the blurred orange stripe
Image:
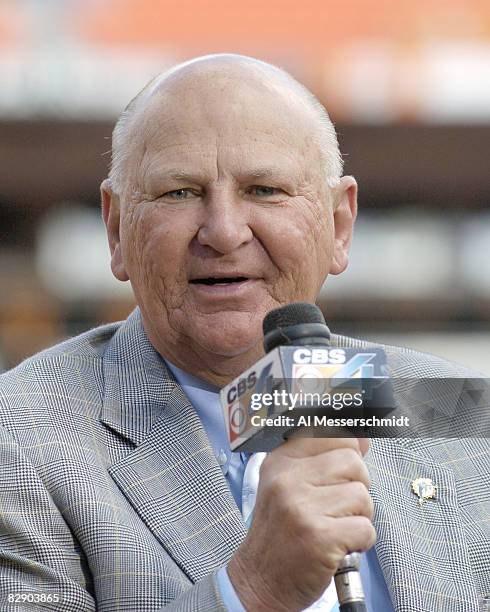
(306, 24)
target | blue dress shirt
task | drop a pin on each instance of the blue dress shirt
(204, 397)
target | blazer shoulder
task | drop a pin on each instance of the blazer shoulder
(69, 369)
(88, 345)
(409, 363)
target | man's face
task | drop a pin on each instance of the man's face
(226, 215)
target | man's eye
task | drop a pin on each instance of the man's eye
(263, 191)
(180, 194)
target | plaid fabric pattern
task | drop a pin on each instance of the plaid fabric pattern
(435, 557)
(111, 497)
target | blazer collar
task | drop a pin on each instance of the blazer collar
(137, 384)
(172, 478)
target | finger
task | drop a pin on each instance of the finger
(333, 467)
(312, 434)
(364, 444)
(341, 500)
(299, 446)
(348, 534)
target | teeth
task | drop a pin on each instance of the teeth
(219, 281)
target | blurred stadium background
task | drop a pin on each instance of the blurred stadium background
(406, 82)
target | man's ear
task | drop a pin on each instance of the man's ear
(111, 213)
(344, 215)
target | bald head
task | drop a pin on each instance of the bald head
(227, 85)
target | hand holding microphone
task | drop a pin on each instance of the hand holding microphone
(312, 507)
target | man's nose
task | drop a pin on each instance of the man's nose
(225, 225)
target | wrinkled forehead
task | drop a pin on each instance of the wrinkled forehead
(212, 107)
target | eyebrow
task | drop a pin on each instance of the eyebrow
(275, 176)
(178, 175)
(265, 172)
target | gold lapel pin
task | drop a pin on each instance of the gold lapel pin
(424, 488)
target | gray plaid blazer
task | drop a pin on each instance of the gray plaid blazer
(112, 499)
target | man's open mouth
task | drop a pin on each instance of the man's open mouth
(218, 281)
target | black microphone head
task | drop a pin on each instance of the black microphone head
(292, 314)
(299, 323)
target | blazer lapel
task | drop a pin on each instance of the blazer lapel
(171, 478)
(421, 548)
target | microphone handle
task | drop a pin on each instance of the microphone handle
(353, 606)
(348, 584)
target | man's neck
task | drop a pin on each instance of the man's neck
(218, 370)
(212, 367)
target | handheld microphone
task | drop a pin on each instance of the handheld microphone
(303, 324)
(297, 343)
(304, 381)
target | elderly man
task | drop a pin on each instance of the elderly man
(118, 492)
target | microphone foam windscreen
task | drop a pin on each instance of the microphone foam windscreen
(292, 314)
